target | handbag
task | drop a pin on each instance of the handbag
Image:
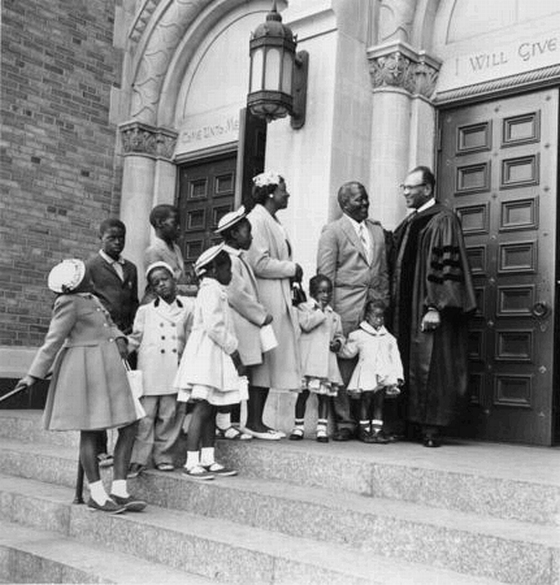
(135, 381)
(298, 294)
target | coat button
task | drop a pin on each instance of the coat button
(163, 351)
(161, 325)
(163, 336)
(174, 350)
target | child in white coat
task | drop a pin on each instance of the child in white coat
(210, 371)
(320, 340)
(379, 371)
(159, 334)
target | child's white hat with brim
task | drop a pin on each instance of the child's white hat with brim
(206, 257)
(158, 264)
(66, 276)
(230, 219)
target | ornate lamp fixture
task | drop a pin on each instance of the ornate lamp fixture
(278, 76)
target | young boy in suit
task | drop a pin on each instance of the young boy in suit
(115, 283)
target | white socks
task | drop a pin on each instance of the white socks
(207, 456)
(223, 420)
(98, 493)
(119, 488)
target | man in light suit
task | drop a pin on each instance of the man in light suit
(352, 254)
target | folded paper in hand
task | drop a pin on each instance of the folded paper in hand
(268, 339)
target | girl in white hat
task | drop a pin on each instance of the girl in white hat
(210, 368)
(89, 390)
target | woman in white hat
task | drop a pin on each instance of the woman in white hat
(89, 390)
(270, 256)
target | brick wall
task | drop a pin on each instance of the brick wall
(59, 173)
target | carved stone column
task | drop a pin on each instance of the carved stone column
(148, 179)
(403, 121)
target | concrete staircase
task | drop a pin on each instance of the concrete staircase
(299, 513)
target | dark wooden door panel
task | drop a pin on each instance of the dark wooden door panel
(498, 170)
(206, 194)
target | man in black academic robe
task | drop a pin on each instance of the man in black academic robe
(432, 298)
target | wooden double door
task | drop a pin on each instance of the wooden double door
(497, 167)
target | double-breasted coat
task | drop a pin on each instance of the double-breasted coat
(248, 312)
(270, 257)
(159, 334)
(89, 389)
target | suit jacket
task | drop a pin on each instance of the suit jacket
(119, 297)
(341, 256)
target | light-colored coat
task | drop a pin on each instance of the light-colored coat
(341, 256)
(206, 360)
(379, 362)
(248, 313)
(159, 334)
(89, 389)
(319, 328)
(271, 260)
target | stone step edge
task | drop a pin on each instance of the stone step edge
(400, 510)
(70, 557)
(287, 447)
(408, 537)
(335, 560)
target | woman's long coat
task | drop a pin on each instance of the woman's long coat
(271, 259)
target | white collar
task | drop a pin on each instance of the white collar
(232, 251)
(369, 329)
(426, 205)
(355, 224)
(110, 260)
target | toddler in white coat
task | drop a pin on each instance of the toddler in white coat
(379, 371)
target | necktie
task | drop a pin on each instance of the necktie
(365, 243)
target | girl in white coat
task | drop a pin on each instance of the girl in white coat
(379, 370)
(320, 340)
(210, 371)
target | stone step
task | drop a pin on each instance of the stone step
(214, 548)
(31, 555)
(509, 550)
(503, 481)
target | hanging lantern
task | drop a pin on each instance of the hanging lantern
(274, 64)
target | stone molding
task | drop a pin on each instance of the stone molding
(529, 80)
(143, 139)
(397, 64)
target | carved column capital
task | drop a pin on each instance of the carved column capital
(399, 65)
(140, 138)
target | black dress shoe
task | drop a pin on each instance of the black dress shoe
(432, 442)
(343, 435)
(365, 436)
(129, 503)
